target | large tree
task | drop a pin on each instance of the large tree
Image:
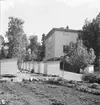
(16, 36)
(91, 35)
(2, 41)
(42, 54)
(34, 46)
(77, 55)
(33, 43)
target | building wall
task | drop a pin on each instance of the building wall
(63, 38)
(56, 41)
(49, 47)
(53, 68)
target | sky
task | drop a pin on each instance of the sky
(41, 16)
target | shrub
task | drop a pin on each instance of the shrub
(89, 77)
(89, 90)
(55, 81)
(94, 85)
(78, 55)
(98, 79)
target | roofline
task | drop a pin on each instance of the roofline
(61, 29)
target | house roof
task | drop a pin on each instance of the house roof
(60, 29)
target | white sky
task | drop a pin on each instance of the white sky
(41, 16)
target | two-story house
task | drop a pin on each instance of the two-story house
(56, 39)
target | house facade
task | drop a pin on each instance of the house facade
(56, 39)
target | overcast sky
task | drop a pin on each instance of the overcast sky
(41, 16)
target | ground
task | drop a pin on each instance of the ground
(42, 93)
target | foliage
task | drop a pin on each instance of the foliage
(16, 37)
(84, 88)
(25, 56)
(33, 43)
(35, 47)
(78, 55)
(42, 52)
(93, 88)
(91, 35)
(91, 78)
(33, 56)
(2, 41)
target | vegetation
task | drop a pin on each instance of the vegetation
(93, 88)
(78, 56)
(42, 53)
(1, 46)
(19, 45)
(91, 36)
(91, 78)
(16, 36)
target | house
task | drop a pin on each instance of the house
(56, 40)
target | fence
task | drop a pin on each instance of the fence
(9, 66)
(50, 68)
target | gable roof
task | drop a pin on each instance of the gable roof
(60, 29)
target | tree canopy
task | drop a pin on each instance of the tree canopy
(91, 36)
(16, 36)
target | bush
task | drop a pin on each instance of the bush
(91, 78)
(89, 90)
(56, 81)
(78, 55)
(98, 79)
(94, 86)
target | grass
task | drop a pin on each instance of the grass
(51, 94)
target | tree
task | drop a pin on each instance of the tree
(91, 35)
(16, 36)
(2, 41)
(69, 49)
(42, 54)
(79, 55)
(34, 45)
(23, 43)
